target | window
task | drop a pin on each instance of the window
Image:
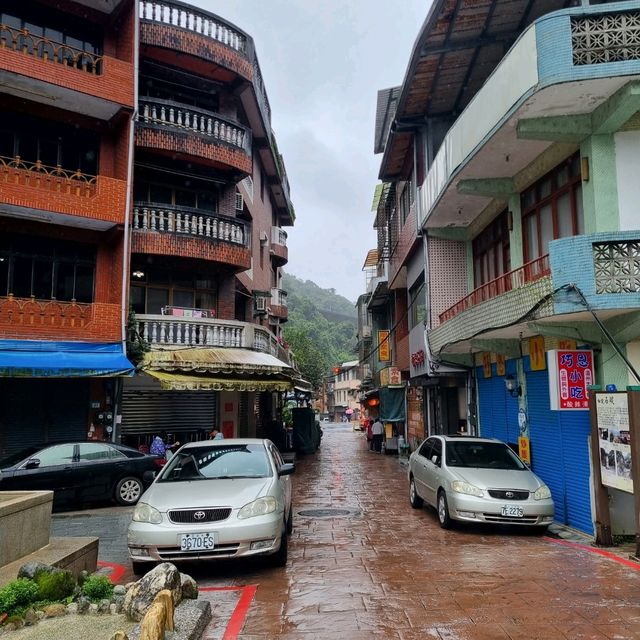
(194, 196)
(91, 451)
(491, 253)
(58, 455)
(47, 269)
(552, 209)
(417, 300)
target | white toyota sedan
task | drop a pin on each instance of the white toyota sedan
(214, 499)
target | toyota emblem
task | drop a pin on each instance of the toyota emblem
(199, 515)
(509, 494)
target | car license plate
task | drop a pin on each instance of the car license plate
(196, 542)
(513, 512)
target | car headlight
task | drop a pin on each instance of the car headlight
(542, 493)
(146, 513)
(259, 507)
(468, 489)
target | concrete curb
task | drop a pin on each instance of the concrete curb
(191, 618)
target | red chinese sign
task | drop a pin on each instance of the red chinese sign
(570, 375)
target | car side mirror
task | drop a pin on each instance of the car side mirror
(286, 469)
(435, 460)
(34, 463)
(148, 477)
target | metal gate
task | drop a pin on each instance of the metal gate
(560, 452)
(498, 411)
(37, 411)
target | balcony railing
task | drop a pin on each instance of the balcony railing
(49, 50)
(159, 330)
(184, 220)
(166, 113)
(278, 236)
(515, 279)
(34, 313)
(279, 297)
(201, 22)
(41, 176)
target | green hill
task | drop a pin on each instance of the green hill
(321, 329)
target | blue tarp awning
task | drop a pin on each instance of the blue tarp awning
(43, 359)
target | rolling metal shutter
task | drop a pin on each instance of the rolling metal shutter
(150, 412)
(36, 411)
(559, 453)
(498, 410)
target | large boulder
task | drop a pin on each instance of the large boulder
(189, 587)
(141, 595)
(30, 569)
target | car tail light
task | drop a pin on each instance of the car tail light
(160, 462)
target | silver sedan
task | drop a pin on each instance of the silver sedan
(215, 499)
(477, 480)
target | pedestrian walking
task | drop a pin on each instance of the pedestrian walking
(377, 430)
(160, 448)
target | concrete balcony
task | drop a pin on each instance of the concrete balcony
(22, 318)
(52, 73)
(193, 134)
(570, 75)
(162, 331)
(279, 251)
(278, 307)
(31, 190)
(184, 232)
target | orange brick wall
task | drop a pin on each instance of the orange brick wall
(168, 244)
(190, 144)
(168, 37)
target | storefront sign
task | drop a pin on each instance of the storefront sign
(567, 344)
(501, 364)
(614, 440)
(418, 359)
(390, 377)
(384, 346)
(570, 374)
(536, 353)
(524, 450)
(486, 364)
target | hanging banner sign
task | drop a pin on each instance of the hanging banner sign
(614, 440)
(501, 364)
(384, 346)
(486, 364)
(524, 449)
(390, 377)
(570, 375)
(536, 353)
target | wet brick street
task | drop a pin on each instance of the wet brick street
(384, 570)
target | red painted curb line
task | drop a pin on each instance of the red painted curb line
(239, 615)
(117, 570)
(600, 552)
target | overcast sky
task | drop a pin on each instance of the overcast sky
(323, 62)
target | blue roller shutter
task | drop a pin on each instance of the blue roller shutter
(498, 411)
(559, 452)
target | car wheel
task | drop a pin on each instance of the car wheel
(128, 491)
(279, 558)
(443, 511)
(414, 498)
(290, 522)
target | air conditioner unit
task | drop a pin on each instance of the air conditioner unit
(264, 238)
(239, 202)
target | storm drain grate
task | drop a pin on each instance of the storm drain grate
(328, 512)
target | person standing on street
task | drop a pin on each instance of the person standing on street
(215, 435)
(377, 431)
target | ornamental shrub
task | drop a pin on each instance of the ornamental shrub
(97, 588)
(55, 586)
(16, 594)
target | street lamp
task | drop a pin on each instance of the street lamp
(512, 386)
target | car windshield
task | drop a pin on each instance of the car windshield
(217, 462)
(482, 455)
(19, 456)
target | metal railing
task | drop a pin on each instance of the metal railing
(278, 236)
(279, 297)
(529, 272)
(38, 175)
(167, 113)
(172, 219)
(49, 50)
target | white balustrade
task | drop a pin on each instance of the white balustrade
(278, 236)
(175, 330)
(199, 121)
(193, 20)
(186, 221)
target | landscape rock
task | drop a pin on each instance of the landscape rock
(113, 609)
(189, 587)
(120, 590)
(30, 617)
(72, 608)
(93, 609)
(30, 569)
(82, 578)
(55, 610)
(83, 604)
(40, 614)
(103, 606)
(118, 601)
(140, 596)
